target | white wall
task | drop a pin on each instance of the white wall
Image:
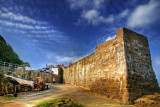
(55, 70)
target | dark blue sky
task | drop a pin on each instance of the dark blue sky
(59, 31)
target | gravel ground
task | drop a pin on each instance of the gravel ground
(76, 93)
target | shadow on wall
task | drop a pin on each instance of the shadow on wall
(60, 75)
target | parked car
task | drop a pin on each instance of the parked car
(47, 70)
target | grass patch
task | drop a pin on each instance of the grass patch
(9, 98)
(65, 102)
(150, 98)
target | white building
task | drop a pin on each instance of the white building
(55, 70)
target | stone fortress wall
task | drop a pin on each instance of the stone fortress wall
(141, 79)
(120, 68)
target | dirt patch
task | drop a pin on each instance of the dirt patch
(12, 104)
(78, 94)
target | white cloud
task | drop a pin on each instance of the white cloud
(36, 32)
(93, 17)
(39, 36)
(90, 11)
(66, 59)
(49, 38)
(74, 4)
(4, 9)
(15, 30)
(110, 37)
(34, 40)
(18, 17)
(17, 25)
(98, 3)
(61, 59)
(23, 26)
(43, 32)
(124, 13)
(83, 4)
(145, 14)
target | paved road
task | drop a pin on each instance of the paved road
(78, 94)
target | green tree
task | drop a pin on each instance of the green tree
(7, 54)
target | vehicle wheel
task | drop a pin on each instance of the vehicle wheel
(41, 87)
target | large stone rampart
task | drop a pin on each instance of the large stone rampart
(119, 68)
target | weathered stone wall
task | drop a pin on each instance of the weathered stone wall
(81, 72)
(141, 78)
(31, 74)
(26, 74)
(109, 71)
(103, 72)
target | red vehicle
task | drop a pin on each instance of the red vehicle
(39, 83)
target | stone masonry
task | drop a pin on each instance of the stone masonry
(120, 68)
(26, 74)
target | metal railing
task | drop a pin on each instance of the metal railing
(106, 37)
(10, 67)
(99, 41)
(8, 64)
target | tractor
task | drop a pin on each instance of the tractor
(39, 84)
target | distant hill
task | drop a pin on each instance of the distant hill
(7, 54)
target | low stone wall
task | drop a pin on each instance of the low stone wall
(11, 82)
(27, 74)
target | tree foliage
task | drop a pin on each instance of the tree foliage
(7, 54)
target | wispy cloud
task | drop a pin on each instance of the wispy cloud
(17, 17)
(43, 32)
(91, 11)
(94, 17)
(78, 4)
(84, 4)
(124, 13)
(110, 37)
(58, 37)
(66, 59)
(20, 25)
(144, 15)
(34, 29)
(98, 3)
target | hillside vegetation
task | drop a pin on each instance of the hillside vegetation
(7, 54)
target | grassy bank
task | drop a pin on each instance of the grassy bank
(60, 102)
